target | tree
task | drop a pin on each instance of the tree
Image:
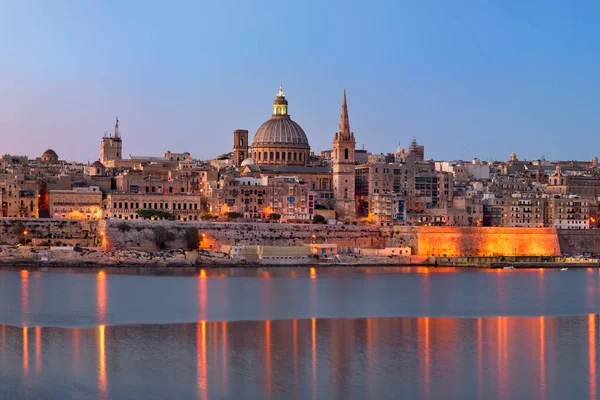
(318, 219)
(233, 215)
(191, 238)
(208, 216)
(274, 217)
(161, 237)
(149, 214)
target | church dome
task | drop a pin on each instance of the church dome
(49, 156)
(280, 131)
(50, 153)
(280, 141)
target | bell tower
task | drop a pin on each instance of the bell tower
(111, 147)
(344, 173)
(240, 146)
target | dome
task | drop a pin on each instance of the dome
(248, 161)
(280, 131)
(50, 153)
(97, 164)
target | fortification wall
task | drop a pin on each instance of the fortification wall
(579, 240)
(140, 235)
(476, 241)
(47, 230)
(483, 241)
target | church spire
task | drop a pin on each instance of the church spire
(117, 133)
(344, 129)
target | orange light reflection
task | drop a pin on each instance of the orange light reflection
(202, 296)
(224, 352)
(25, 352)
(25, 295)
(201, 379)
(101, 296)
(102, 362)
(313, 273)
(38, 349)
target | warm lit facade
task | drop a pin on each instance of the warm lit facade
(79, 203)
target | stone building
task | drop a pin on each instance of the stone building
(111, 148)
(570, 212)
(185, 207)
(78, 203)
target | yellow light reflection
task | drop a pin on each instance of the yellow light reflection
(102, 362)
(101, 296)
(25, 352)
(313, 273)
(38, 349)
(201, 379)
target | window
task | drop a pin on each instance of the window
(346, 154)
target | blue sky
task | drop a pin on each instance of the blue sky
(466, 78)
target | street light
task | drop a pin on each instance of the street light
(25, 233)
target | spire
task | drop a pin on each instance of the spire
(344, 129)
(117, 133)
(280, 94)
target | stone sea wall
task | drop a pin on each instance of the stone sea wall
(140, 235)
(48, 230)
(476, 241)
(579, 241)
(424, 241)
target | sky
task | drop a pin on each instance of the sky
(465, 78)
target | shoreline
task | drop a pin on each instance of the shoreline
(183, 264)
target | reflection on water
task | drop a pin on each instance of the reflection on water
(286, 293)
(503, 357)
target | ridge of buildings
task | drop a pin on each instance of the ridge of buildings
(277, 177)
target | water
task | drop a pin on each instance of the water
(300, 333)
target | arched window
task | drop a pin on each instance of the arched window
(241, 142)
(283, 156)
(265, 156)
(289, 156)
(295, 156)
(346, 154)
(271, 156)
(277, 156)
(259, 154)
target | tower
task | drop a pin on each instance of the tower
(240, 146)
(111, 147)
(343, 167)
